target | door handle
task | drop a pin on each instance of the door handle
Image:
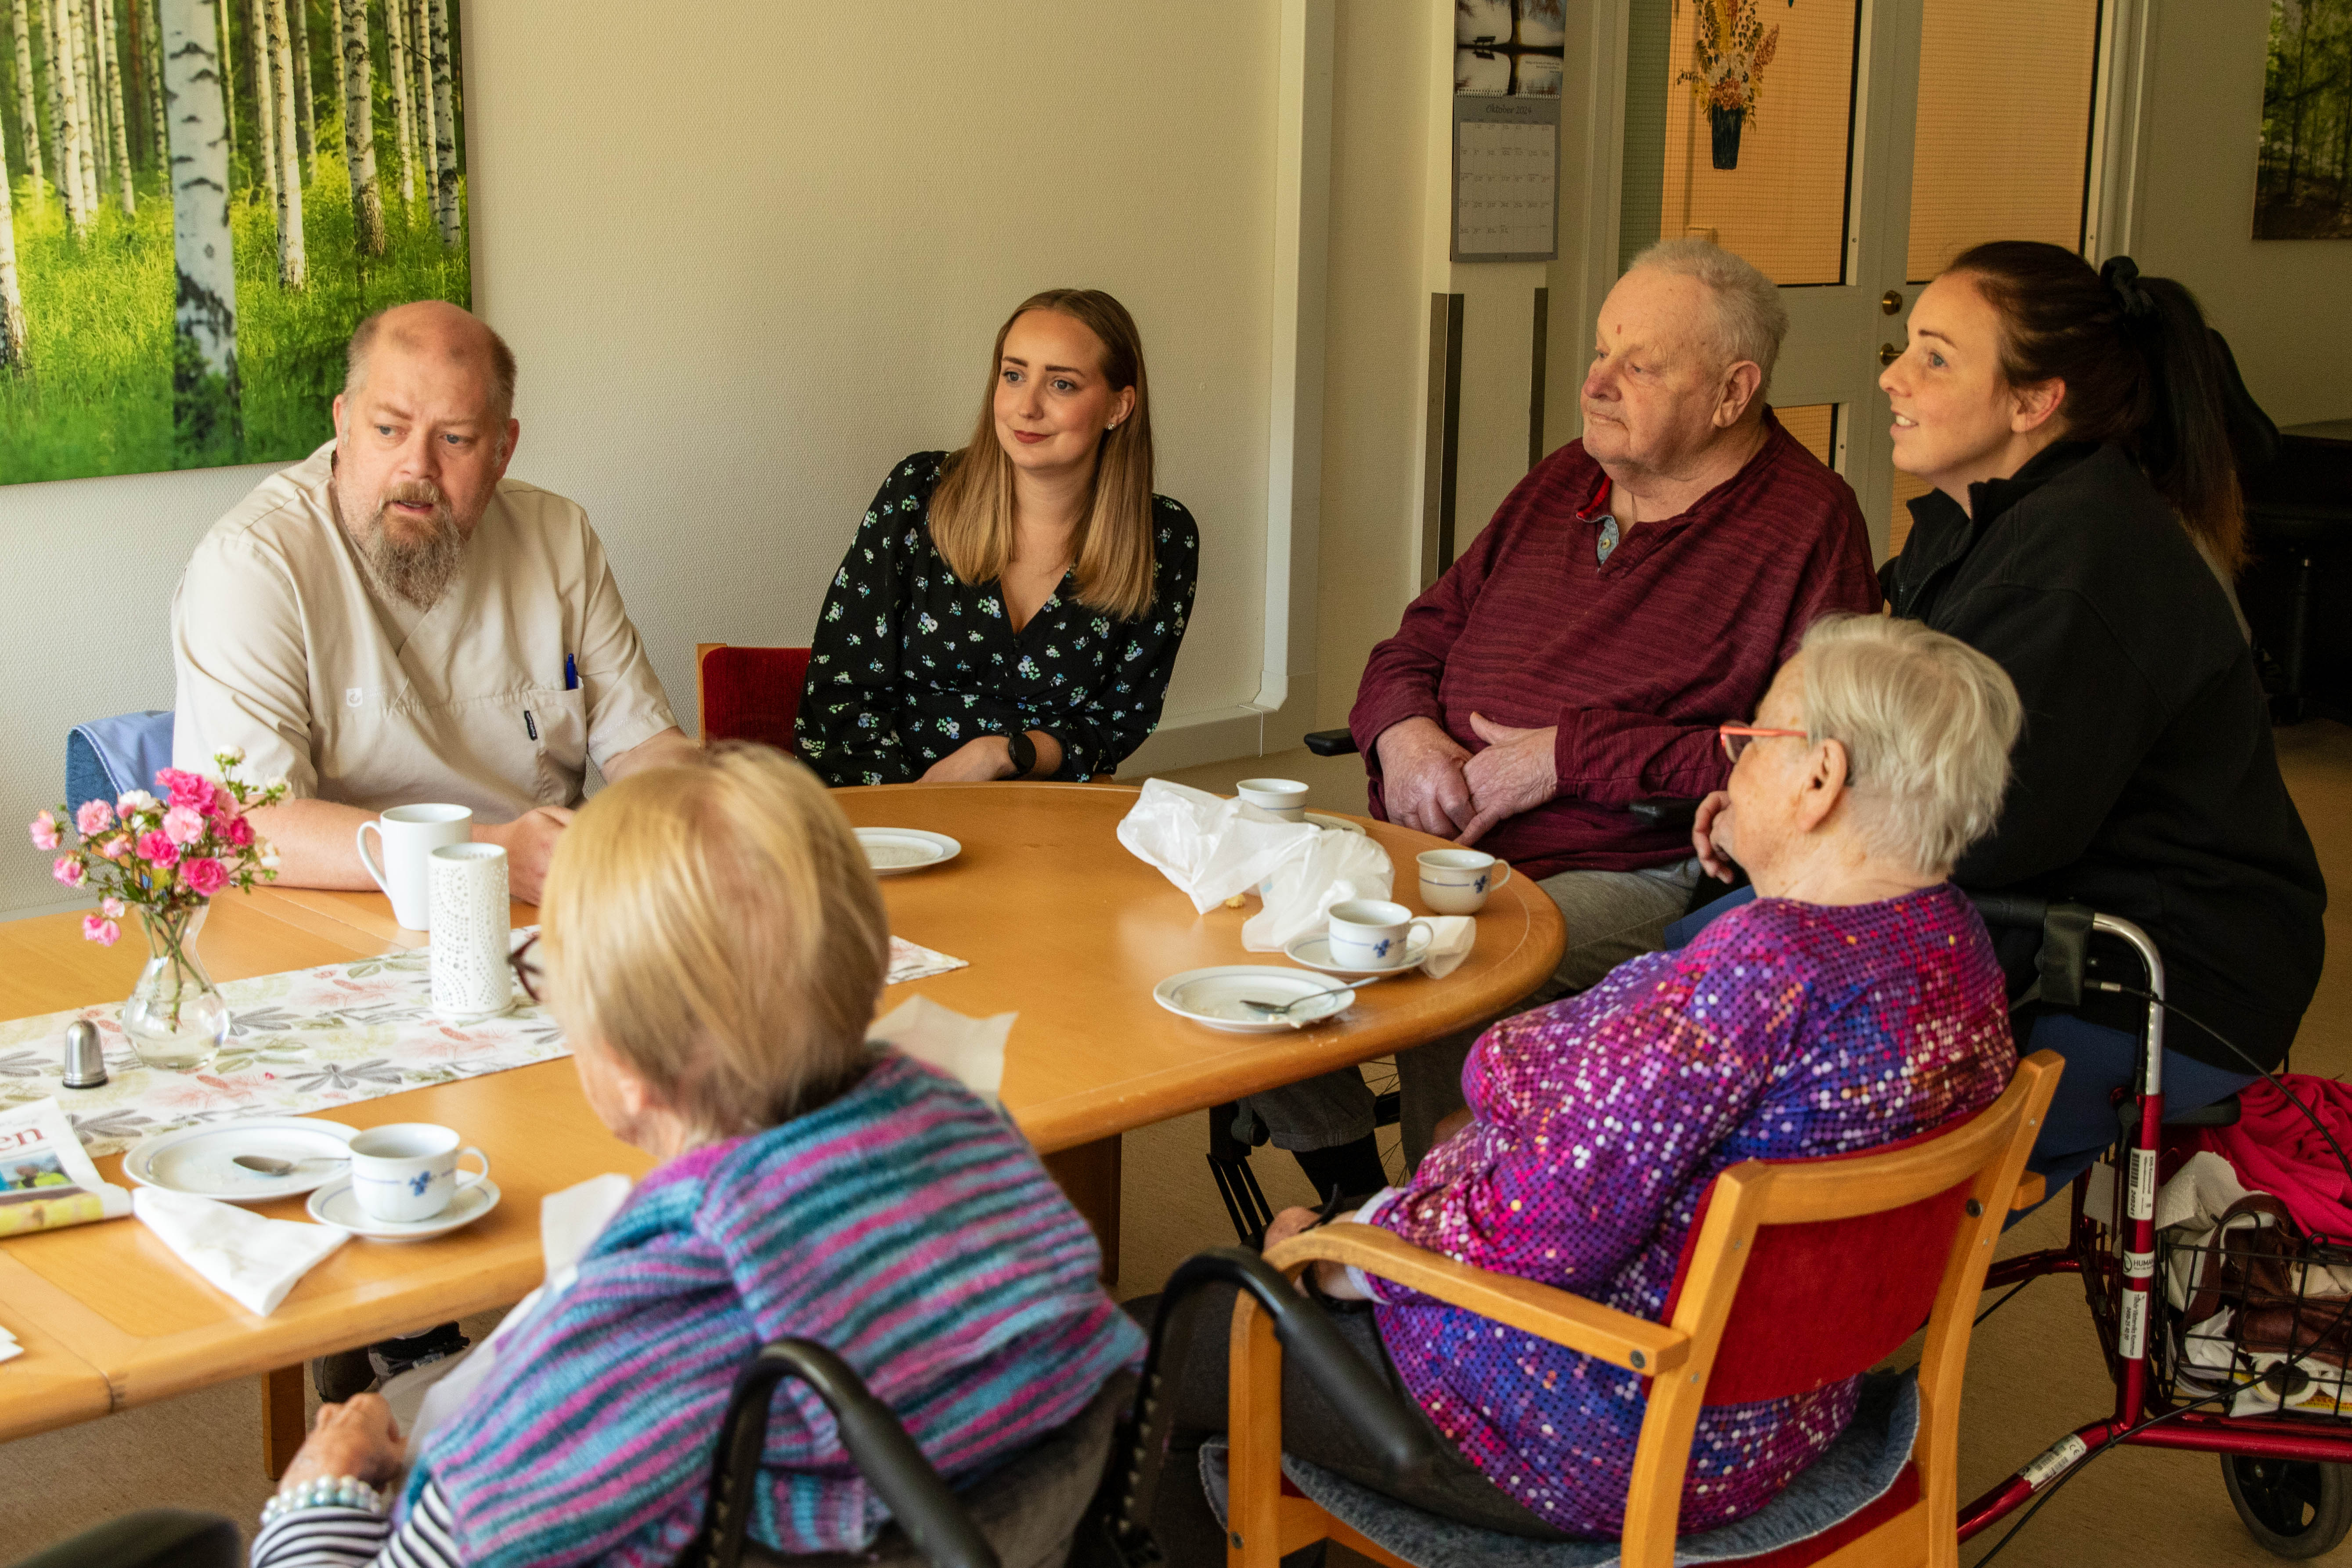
(1889, 352)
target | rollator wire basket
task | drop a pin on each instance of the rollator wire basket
(2259, 1306)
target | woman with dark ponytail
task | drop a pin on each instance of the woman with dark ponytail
(2070, 421)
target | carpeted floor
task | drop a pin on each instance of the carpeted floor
(2034, 1375)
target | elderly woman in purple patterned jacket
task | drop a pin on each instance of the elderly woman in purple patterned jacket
(1855, 1003)
(714, 943)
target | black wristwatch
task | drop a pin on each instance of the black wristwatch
(1024, 752)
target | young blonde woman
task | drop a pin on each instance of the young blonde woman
(1012, 610)
(713, 945)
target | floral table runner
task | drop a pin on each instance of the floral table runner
(306, 1040)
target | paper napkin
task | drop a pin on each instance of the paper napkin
(1450, 938)
(254, 1261)
(971, 1050)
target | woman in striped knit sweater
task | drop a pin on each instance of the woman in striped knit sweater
(714, 944)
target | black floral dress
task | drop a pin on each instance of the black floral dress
(909, 663)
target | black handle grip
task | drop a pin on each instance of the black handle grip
(1331, 742)
(2012, 910)
(1116, 1531)
(1307, 1332)
(918, 1500)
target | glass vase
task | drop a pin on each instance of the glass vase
(175, 1017)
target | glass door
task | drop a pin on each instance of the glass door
(1850, 148)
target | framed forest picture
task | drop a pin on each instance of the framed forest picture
(201, 199)
(2302, 184)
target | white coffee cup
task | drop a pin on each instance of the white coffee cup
(1372, 933)
(410, 834)
(408, 1170)
(1286, 799)
(1457, 881)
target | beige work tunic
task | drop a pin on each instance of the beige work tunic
(285, 644)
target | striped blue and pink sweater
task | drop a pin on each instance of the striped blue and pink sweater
(906, 1225)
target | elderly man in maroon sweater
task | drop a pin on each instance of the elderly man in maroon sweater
(1638, 589)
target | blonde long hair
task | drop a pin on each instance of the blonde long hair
(972, 510)
(715, 924)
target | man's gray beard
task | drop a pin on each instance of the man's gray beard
(419, 572)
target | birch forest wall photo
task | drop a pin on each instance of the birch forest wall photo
(201, 199)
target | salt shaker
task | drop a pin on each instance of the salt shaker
(85, 1060)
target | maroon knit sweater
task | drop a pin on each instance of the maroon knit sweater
(1636, 660)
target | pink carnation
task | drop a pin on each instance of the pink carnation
(116, 848)
(66, 869)
(111, 908)
(99, 930)
(158, 850)
(95, 817)
(186, 789)
(237, 831)
(204, 877)
(183, 825)
(45, 832)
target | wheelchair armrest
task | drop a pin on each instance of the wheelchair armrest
(1618, 1338)
(919, 1501)
(1331, 742)
(1665, 812)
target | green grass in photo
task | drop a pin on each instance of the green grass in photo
(96, 397)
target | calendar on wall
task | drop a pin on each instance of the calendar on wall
(1506, 178)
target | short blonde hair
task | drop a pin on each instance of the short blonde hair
(1927, 723)
(716, 925)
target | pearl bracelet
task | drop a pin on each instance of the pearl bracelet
(326, 1491)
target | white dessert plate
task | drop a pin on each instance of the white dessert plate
(890, 850)
(1315, 952)
(201, 1161)
(1214, 997)
(335, 1205)
(1329, 823)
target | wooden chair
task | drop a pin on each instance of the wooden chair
(748, 693)
(1798, 1274)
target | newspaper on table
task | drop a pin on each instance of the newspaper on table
(47, 1179)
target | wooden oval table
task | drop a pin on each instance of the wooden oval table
(1055, 920)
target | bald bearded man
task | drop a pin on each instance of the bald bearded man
(394, 621)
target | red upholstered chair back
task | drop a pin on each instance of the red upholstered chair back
(749, 693)
(1823, 1301)
(1817, 1269)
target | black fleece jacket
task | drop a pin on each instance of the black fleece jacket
(2146, 784)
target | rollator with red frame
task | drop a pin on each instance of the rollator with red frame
(2284, 1465)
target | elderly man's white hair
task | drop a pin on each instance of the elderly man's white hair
(1927, 723)
(1750, 320)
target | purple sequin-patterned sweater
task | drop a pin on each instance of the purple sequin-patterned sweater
(1785, 1030)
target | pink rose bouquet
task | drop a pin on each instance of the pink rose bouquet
(161, 858)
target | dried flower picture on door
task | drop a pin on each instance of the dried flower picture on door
(199, 199)
(1729, 51)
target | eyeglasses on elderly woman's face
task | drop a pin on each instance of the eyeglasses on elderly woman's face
(1735, 737)
(527, 968)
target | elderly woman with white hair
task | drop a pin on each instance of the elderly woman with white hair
(1857, 1002)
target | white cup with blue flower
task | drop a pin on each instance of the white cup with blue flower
(407, 1171)
(1457, 881)
(1372, 933)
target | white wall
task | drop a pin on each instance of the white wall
(747, 260)
(2281, 303)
